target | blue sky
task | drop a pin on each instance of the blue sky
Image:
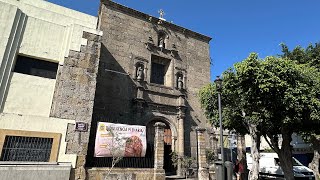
(236, 27)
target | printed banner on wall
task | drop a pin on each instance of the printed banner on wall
(120, 140)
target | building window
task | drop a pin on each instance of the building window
(16, 145)
(35, 67)
(19, 148)
(157, 73)
(160, 73)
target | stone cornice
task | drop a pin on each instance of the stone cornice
(146, 17)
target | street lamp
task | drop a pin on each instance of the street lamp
(218, 82)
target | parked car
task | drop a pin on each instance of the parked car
(270, 167)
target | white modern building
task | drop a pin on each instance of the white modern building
(35, 38)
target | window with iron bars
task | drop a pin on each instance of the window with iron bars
(20, 148)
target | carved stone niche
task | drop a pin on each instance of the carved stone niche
(163, 39)
(140, 69)
(180, 79)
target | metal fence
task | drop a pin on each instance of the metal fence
(20, 148)
(126, 162)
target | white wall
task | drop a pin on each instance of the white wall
(12, 23)
(29, 95)
(51, 30)
(41, 30)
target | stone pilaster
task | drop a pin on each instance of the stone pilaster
(159, 150)
(181, 117)
(203, 173)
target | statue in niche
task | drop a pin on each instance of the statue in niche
(180, 82)
(140, 73)
(161, 42)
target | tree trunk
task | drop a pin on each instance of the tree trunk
(255, 146)
(241, 146)
(285, 159)
(285, 155)
(314, 165)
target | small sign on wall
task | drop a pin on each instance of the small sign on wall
(81, 126)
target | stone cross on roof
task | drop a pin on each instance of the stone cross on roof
(161, 12)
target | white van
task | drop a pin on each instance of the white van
(269, 167)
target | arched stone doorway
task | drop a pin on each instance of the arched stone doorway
(168, 144)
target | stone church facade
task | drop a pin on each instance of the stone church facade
(150, 71)
(131, 69)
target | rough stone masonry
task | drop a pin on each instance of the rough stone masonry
(74, 96)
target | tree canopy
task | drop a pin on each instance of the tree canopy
(309, 56)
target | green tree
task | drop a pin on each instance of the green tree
(240, 103)
(273, 97)
(291, 98)
(309, 56)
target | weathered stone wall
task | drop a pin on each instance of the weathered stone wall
(74, 96)
(121, 173)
